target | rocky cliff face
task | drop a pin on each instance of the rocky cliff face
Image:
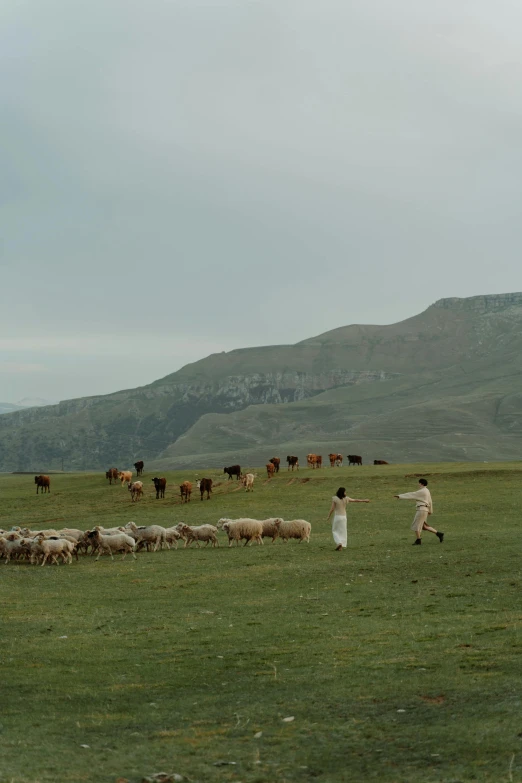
(97, 432)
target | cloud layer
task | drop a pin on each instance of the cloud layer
(194, 176)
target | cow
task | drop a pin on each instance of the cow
(314, 461)
(139, 467)
(248, 481)
(333, 459)
(160, 485)
(276, 463)
(44, 482)
(125, 476)
(354, 459)
(185, 491)
(136, 490)
(380, 462)
(204, 485)
(270, 469)
(339, 461)
(293, 462)
(234, 470)
(111, 474)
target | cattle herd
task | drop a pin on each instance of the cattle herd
(204, 485)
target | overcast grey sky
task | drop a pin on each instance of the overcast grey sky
(181, 177)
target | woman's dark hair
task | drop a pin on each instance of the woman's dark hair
(423, 482)
(341, 493)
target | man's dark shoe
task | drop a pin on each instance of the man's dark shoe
(418, 541)
(440, 536)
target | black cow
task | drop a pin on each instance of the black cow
(293, 462)
(354, 459)
(233, 470)
(139, 467)
(159, 485)
(204, 485)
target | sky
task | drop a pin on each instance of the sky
(182, 177)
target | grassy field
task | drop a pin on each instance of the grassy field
(396, 663)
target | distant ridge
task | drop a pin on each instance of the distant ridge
(445, 384)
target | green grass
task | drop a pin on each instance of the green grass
(397, 663)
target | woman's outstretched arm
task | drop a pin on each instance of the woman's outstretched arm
(355, 500)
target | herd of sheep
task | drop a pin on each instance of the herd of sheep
(53, 546)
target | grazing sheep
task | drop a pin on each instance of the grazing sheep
(206, 533)
(149, 535)
(136, 490)
(116, 543)
(270, 528)
(244, 528)
(247, 480)
(295, 528)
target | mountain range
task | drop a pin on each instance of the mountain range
(445, 384)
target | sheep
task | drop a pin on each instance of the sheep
(11, 546)
(71, 532)
(237, 529)
(54, 547)
(270, 528)
(116, 543)
(147, 535)
(172, 536)
(206, 533)
(295, 528)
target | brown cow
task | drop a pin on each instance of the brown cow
(160, 485)
(125, 476)
(339, 461)
(270, 469)
(332, 458)
(204, 485)
(293, 462)
(234, 470)
(111, 474)
(380, 462)
(139, 467)
(354, 459)
(314, 461)
(276, 463)
(185, 490)
(44, 482)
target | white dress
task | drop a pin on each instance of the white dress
(340, 522)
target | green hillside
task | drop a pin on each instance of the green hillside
(442, 385)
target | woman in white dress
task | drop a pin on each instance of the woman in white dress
(340, 526)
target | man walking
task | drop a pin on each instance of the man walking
(424, 509)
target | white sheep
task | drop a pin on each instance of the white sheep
(115, 543)
(244, 528)
(147, 535)
(55, 547)
(270, 528)
(11, 546)
(295, 528)
(172, 536)
(199, 533)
